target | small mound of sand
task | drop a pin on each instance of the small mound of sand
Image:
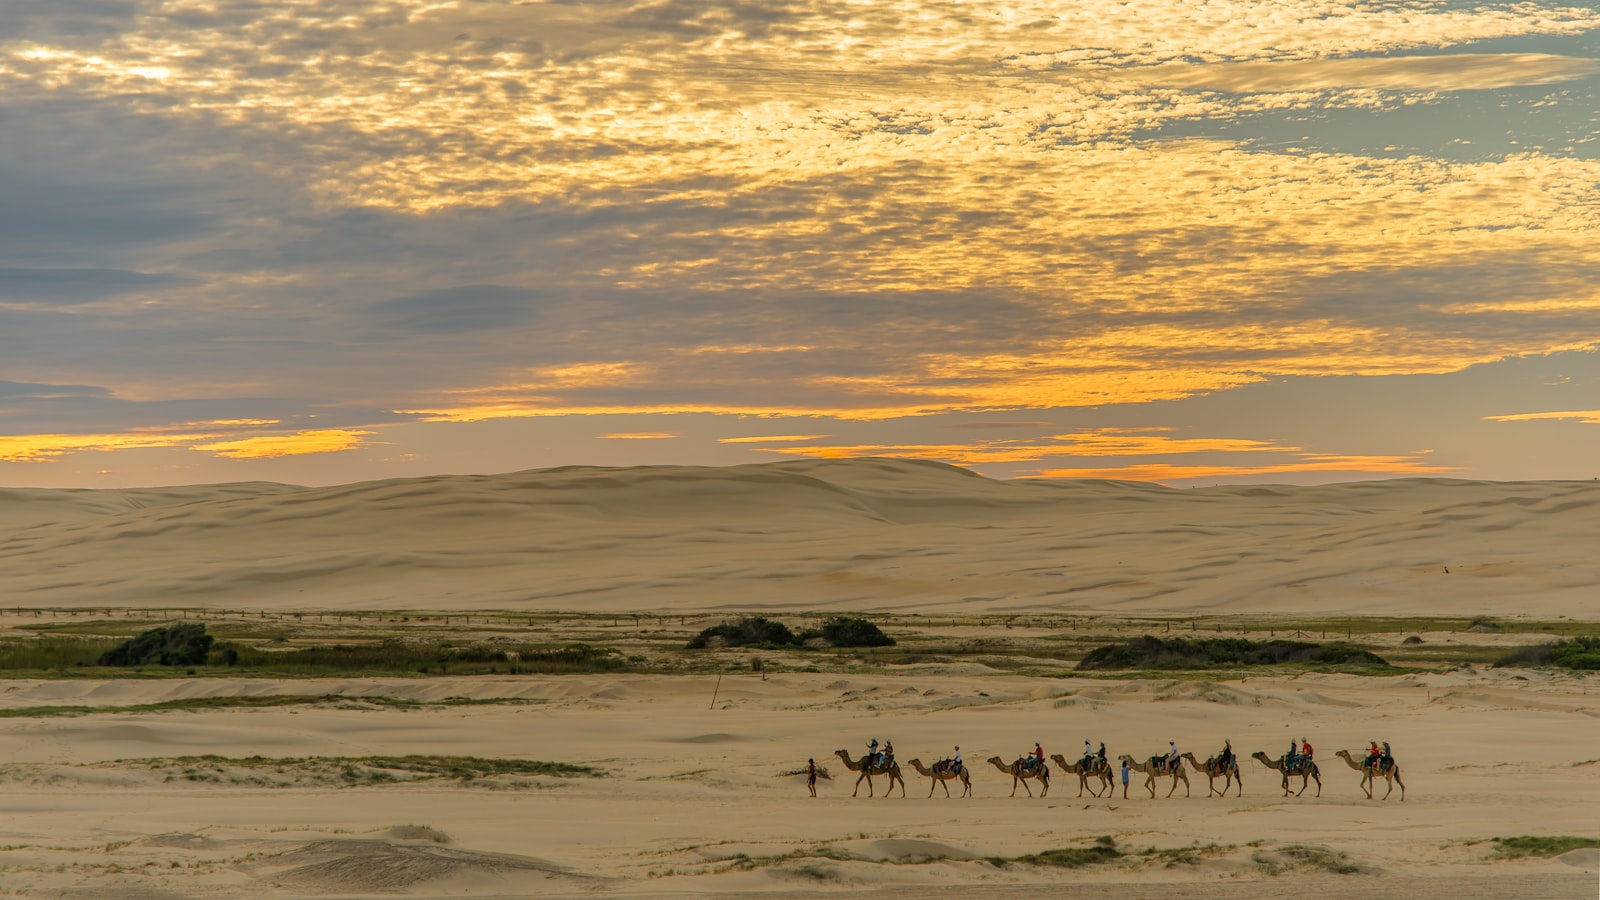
(720, 737)
(378, 866)
(1587, 858)
(417, 833)
(905, 848)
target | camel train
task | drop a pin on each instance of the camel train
(1025, 769)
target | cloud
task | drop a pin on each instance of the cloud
(1356, 466)
(1587, 417)
(867, 212)
(272, 446)
(474, 307)
(76, 285)
(1445, 72)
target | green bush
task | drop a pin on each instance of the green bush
(845, 631)
(181, 644)
(750, 630)
(1577, 653)
(1149, 652)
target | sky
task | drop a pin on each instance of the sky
(1187, 241)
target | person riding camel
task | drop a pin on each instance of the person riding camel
(1305, 751)
(1373, 753)
(1291, 759)
(1036, 758)
(1101, 755)
(888, 753)
(955, 762)
(1225, 758)
(1088, 756)
(1387, 759)
(872, 752)
(1172, 756)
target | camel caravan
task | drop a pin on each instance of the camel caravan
(1097, 775)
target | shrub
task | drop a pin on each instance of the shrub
(845, 631)
(182, 644)
(1149, 652)
(746, 631)
(1577, 653)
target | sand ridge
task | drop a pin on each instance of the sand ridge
(891, 535)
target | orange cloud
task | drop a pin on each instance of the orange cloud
(1166, 472)
(642, 436)
(42, 447)
(772, 438)
(1585, 416)
(272, 446)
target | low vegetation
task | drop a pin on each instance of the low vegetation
(187, 646)
(764, 633)
(1103, 850)
(1581, 652)
(197, 704)
(1298, 856)
(1149, 652)
(1526, 845)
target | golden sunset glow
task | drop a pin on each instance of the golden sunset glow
(862, 223)
(271, 446)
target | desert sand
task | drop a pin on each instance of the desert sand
(695, 797)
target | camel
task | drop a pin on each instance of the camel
(1307, 772)
(1100, 770)
(1214, 770)
(1020, 775)
(940, 776)
(1154, 767)
(892, 770)
(1368, 773)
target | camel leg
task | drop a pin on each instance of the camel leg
(859, 778)
(902, 781)
(1240, 779)
(1401, 783)
(1318, 779)
(1150, 782)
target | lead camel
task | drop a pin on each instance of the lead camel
(892, 770)
(1369, 774)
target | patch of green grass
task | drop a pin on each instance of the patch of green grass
(350, 770)
(1526, 845)
(1149, 652)
(93, 657)
(1299, 856)
(1103, 851)
(1579, 653)
(197, 704)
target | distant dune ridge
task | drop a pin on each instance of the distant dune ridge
(863, 534)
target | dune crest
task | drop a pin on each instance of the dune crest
(861, 534)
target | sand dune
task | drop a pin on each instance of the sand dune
(306, 799)
(818, 535)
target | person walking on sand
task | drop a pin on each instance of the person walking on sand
(1124, 779)
(811, 776)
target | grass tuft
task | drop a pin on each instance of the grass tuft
(1527, 845)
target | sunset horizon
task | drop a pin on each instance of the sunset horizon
(1260, 240)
